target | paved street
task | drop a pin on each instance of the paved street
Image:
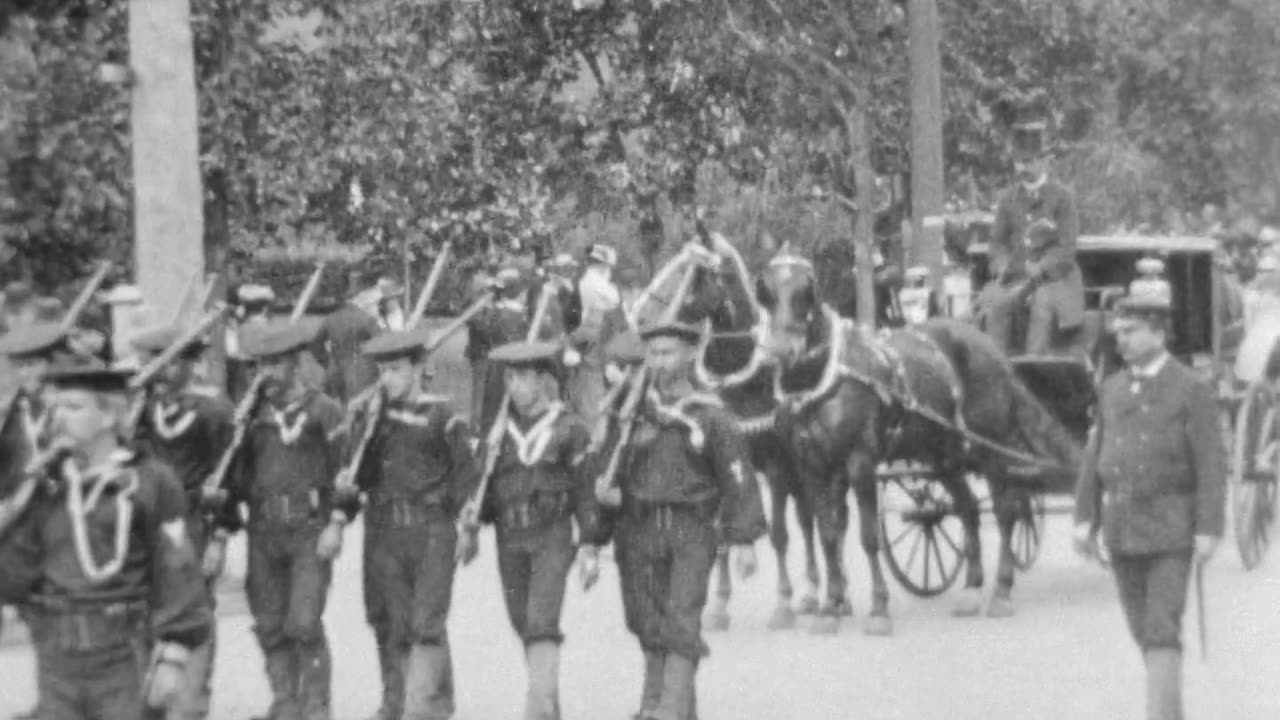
(1065, 655)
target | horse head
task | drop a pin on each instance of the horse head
(787, 291)
(718, 295)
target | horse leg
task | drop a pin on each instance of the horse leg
(784, 618)
(969, 603)
(831, 535)
(1006, 501)
(808, 604)
(717, 617)
(866, 490)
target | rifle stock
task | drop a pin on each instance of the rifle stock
(212, 489)
(424, 298)
(607, 491)
(313, 283)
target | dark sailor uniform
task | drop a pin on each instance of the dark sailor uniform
(284, 476)
(189, 431)
(687, 486)
(539, 488)
(102, 563)
(416, 473)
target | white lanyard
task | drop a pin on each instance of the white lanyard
(677, 411)
(32, 426)
(79, 507)
(531, 446)
(160, 415)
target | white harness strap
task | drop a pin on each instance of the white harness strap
(531, 446)
(678, 412)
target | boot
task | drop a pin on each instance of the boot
(652, 690)
(315, 672)
(542, 701)
(428, 683)
(677, 688)
(391, 659)
(1164, 684)
(282, 676)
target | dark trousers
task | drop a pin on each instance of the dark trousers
(665, 557)
(287, 586)
(91, 667)
(1035, 322)
(1153, 593)
(408, 580)
(534, 564)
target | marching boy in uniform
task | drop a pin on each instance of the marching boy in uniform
(188, 426)
(285, 476)
(687, 485)
(416, 471)
(538, 487)
(1153, 482)
(103, 562)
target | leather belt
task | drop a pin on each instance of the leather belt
(284, 508)
(664, 515)
(402, 512)
(537, 511)
(82, 627)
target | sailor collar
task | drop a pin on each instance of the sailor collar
(290, 431)
(532, 444)
(678, 412)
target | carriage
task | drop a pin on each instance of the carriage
(918, 521)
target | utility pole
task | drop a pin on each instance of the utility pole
(168, 201)
(927, 183)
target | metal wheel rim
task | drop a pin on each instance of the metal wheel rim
(1253, 501)
(1028, 532)
(924, 571)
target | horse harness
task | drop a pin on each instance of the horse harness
(899, 392)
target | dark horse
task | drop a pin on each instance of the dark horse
(733, 364)
(851, 400)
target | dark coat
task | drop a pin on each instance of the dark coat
(1017, 210)
(349, 371)
(1154, 474)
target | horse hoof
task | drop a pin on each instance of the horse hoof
(877, 625)
(969, 603)
(825, 625)
(784, 618)
(808, 605)
(1000, 607)
(716, 622)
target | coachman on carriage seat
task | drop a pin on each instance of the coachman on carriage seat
(1036, 304)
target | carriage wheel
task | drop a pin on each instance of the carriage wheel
(1253, 488)
(1028, 531)
(921, 534)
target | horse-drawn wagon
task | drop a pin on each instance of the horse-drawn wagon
(920, 512)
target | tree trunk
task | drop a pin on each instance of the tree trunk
(858, 126)
(168, 202)
(927, 191)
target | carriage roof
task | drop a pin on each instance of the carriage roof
(1163, 244)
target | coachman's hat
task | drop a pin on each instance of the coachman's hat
(156, 340)
(36, 339)
(276, 338)
(1031, 129)
(397, 344)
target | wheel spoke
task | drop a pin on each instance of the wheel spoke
(894, 543)
(911, 556)
(927, 542)
(947, 536)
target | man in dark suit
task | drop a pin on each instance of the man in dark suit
(342, 334)
(1033, 253)
(1154, 483)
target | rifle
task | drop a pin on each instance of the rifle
(212, 492)
(144, 376)
(607, 492)
(86, 295)
(313, 283)
(372, 396)
(471, 511)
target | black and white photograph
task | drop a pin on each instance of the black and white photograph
(639, 359)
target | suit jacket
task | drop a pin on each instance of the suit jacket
(1155, 471)
(1016, 211)
(343, 332)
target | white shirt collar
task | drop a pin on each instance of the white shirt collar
(1152, 368)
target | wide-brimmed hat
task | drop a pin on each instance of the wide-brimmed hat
(88, 373)
(35, 339)
(276, 338)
